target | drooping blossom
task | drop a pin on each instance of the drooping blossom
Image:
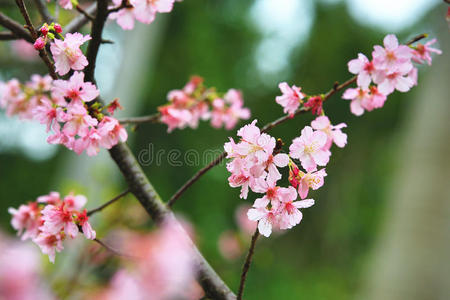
(358, 97)
(309, 149)
(52, 219)
(67, 53)
(395, 79)
(290, 99)
(333, 132)
(422, 52)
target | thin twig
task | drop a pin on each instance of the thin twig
(80, 20)
(34, 35)
(85, 13)
(336, 87)
(246, 267)
(101, 207)
(195, 178)
(43, 11)
(115, 252)
(15, 28)
(138, 120)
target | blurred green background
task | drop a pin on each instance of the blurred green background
(252, 46)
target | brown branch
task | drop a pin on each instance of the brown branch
(80, 20)
(138, 120)
(34, 36)
(15, 28)
(336, 87)
(85, 13)
(101, 207)
(113, 251)
(248, 261)
(8, 36)
(43, 11)
(95, 42)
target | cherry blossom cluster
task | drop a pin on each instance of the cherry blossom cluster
(390, 69)
(50, 220)
(62, 106)
(194, 102)
(160, 264)
(143, 11)
(254, 164)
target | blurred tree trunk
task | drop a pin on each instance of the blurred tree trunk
(411, 258)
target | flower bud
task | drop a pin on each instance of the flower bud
(44, 29)
(58, 28)
(39, 44)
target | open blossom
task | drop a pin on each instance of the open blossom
(316, 104)
(125, 16)
(78, 121)
(75, 88)
(305, 181)
(358, 97)
(49, 244)
(392, 55)
(82, 219)
(66, 4)
(67, 53)
(363, 68)
(111, 132)
(281, 212)
(291, 98)
(57, 219)
(229, 110)
(333, 132)
(309, 149)
(396, 79)
(422, 52)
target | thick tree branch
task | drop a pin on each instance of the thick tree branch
(8, 36)
(15, 28)
(246, 266)
(80, 20)
(34, 36)
(148, 197)
(101, 207)
(43, 11)
(96, 41)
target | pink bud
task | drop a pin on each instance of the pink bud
(39, 44)
(58, 28)
(44, 30)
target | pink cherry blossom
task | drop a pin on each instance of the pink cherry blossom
(229, 110)
(396, 79)
(79, 121)
(266, 218)
(111, 132)
(244, 224)
(52, 198)
(363, 68)
(358, 97)
(146, 10)
(125, 16)
(67, 53)
(333, 132)
(291, 214)
(392, 56)
(75, 88)
(422, 52)
(310, 180)
(57, 219)
(291, 98)
(49, 244)
(66, 4)
(375, 99)
(74, 202)
(229, 245)
(309, 149)
(26, 220)
(90, 143)
(45, 113)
